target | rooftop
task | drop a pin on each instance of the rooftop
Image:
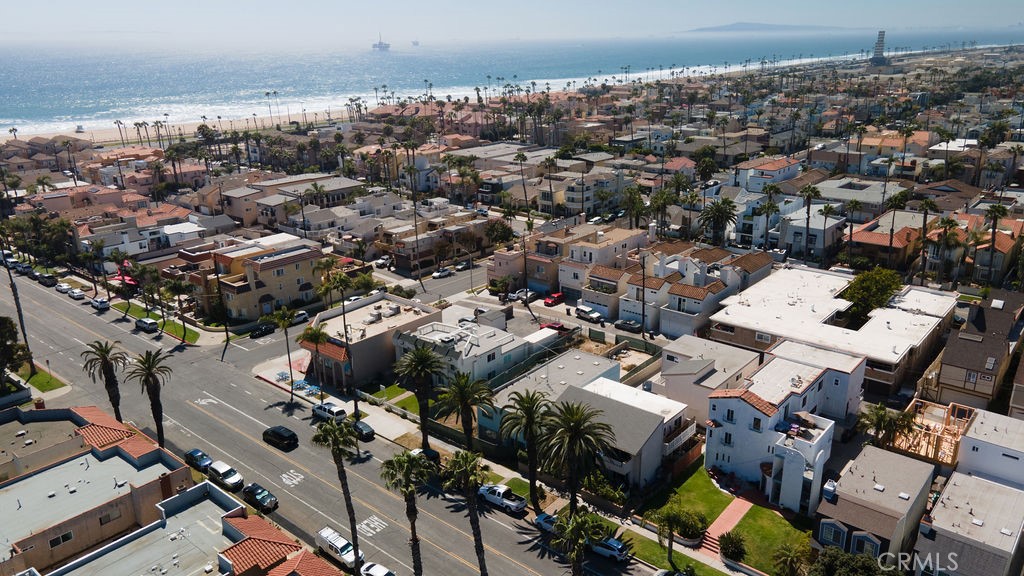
(574, 367)
(77, 485)
(728, 360)
(816, 356)
(795, 303)
(43, 435)
(666, 408)
(997, 429)
(980, 510)
(372, 316)
(880, 481)
(779, 377)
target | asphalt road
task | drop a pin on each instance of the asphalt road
(220, 407)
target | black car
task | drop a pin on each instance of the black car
(363, 430)
(48, 280)
(33, 274)
(198, 459)
(629, 326)
(281, 437)
(261, 330)
(259, 498)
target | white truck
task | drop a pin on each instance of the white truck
(332, 543)
(503, 497)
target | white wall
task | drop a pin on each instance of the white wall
(989, 460)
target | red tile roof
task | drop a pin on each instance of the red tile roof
(651, 283)
(753, 261)
(710, 255)
(103, 430)
(139, 445)
(901, 238)
(696, 292)
(263, 547)
(606, 273)
(1004, 243)
(305, 563)
(760, 404)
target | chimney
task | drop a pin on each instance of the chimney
(652, 232)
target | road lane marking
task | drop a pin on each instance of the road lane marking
(235, 409)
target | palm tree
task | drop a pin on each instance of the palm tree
(461, 397)
(791, 558)
(947, 240)
(102, 360)
(674, 518)
(718, 216)
(150, 371)
(316, 336)
(768, 209)
(404, 473)
(827, 211)
(809, 193)
(340, 439)
(464, 471)
(927, 205)
(885, 425)
(525, 417)
(573, 439)
(283, 318)
(178, 288)
(420, 365)
(572, 534)
(690, 199)
(852, 207)
(995, 213)
(342, 282)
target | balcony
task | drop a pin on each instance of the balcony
(603, 288)
(678, 437)
(612, 462)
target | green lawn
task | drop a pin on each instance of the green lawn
(135, 311)
(494, 478)
(174, 329)
(697, 492)
(410, 404)
(42, 381)
(519, 486)
(651, 552)
(390, 392)
(764, 531)
(171, 327)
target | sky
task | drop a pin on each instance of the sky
(259, 25)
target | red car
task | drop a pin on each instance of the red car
(554, 299)
(557, 327)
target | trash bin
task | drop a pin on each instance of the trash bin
(40, 404)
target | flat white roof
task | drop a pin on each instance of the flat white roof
(980, 510)
(794, 304)
(780, 377)
(371, 316)
(728, 359)
(646, 401)
(914, 299)
(997, 429)
(817, 356)
(183, 228)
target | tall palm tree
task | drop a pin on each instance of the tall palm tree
(809, 193)
(827, 211)
(927, 205)
(461, 397)
(342, 282)
(573, 439)
(316, 336)
(420, 365)
(101, 359)
(283, 318)
(852, 207)
(404, 473)
(340, 438)
(689, 199)
(464, 471)
(768, 209)
(947, 240)
(525, 417)
(718, 216)
(178, 287)
(885, 425)
(151, 372)
(572, 533)
(994, 214)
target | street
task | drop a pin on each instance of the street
(220, 407)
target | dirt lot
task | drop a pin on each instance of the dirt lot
(630, 359)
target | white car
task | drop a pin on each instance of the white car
(610, 548)
(442, 273)
(382, 262)
(374, 569)
(63, 287)
(301, 317)
(352, 299)
(100, 303)
(76, 294)
(331, 542)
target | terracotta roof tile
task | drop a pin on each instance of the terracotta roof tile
(752, 261)
(139, 445)
(696, 292)
(263, 547)
(710, 255)
(606, 273)
(1004, 243)
(305, 563)
(651, 283)
(103, 430)
(760, 404)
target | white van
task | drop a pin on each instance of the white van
(329, 541)
(329, 411)
(147, 325)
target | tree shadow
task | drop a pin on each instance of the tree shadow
(287, 408)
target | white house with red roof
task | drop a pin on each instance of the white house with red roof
(753, 175)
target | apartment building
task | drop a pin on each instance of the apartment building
(601, 250)
(754, 175)
(692, 368)
(482, 352)
(893, 237)
(992, 447)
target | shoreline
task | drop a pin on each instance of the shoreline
(111, 135)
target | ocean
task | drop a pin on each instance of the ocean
(51, 91)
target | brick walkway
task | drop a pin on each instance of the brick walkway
(726, 521)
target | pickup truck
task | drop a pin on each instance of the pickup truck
(503, 497)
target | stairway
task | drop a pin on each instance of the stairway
(709, 545)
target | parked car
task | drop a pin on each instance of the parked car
(610, 548)
(301, 317)
(198, 459)
(281, 437)
(620, 213)
(352, 299)
(48, 280)
(100, 303)
(330, 542)
(259, 498)
(76, 294)
(442, 272)
(63, 287)
(10, 262)
(523, 295)
(595, 220)
(363, 430)
(503, 497)
(554, 299)
(382, 262)
(374, 569)
(225, 475)
(546, 522)
(464, 265)
(261, 330)
(557, 327)
(430, 454)
(329, 411)
(23, 268)
(483, 211)
(147, 325)
(629, 326)
(589, 314)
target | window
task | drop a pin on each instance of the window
(974, 448)
(110, 516)
(830, 534)
(1010, 456)
(756, 425)
(58, 540)
(671, 358)
(762, 337)
(820, 382)
(730, 416)
(972, 377)
(297, 266)
(803, 402)
(279, 272)
(490, 357)
(865, 545)
(575, 275)
(835, 382)
(727, 439)
(714, 407)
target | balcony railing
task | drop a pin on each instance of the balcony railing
(678, 437)
(603, 288)
(614, 465)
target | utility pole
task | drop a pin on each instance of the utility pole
(643, 296)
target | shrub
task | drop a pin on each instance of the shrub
(692, 525)
(732, 546)
(598, 485)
